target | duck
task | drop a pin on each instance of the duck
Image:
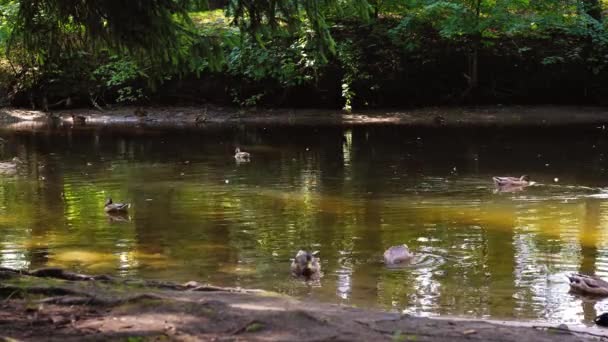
(586, 284)
(602, 320)
(140, 112)
(439, 120)
(238, 155)
(397, 254)
(111, 207)
(200, 119)
(306, 264)
(78, 119)
(9, 167)
(502, 182)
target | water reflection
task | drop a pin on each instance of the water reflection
(351, 193)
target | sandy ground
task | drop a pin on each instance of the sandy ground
(212, 115)
(53, 305)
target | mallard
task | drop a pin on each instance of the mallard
(439, 120)
(306, 264)
(78, 119)
(585, 284)
(9, 167)
(111, 207)
(238, 155)
(140, 112)
(397, 254)
(200, 119)
(502, 182)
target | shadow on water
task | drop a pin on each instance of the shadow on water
(350, 192)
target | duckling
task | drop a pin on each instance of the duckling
(522, 181)
(241, 156)
(397, 254)
(602, 320)
(140, 112)
(78, 119)
(590, 285)
(111, 207)
(306, 264)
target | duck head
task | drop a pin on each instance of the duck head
(237, 150)
(397, 254)
(306, 263)
(108, 201)
(524, 178)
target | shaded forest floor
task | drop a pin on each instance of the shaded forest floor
(213, 115)
(52, 304)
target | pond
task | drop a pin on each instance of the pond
(349, 192)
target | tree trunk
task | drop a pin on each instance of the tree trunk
(376, 8)
(473, 56)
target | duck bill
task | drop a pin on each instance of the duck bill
(309, 265)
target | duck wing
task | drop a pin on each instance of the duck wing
(504, 181)
(588, 284)
(117, 207)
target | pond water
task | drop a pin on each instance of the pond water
(349, 192)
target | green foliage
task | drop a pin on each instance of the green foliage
(120, 74)
(350, 60)
(289, 64)
(263, 47)
(254, 327)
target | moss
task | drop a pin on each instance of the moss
(254, 327)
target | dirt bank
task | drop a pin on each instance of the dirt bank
(211, 115)
(52, 304)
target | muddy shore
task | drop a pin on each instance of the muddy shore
(53, 304)
(211, 115)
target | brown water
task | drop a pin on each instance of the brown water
(348, 192)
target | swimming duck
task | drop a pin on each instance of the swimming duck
(306, 264)
(502, 182)
(200, 119)
(140, 112)
(439, 120)
(397, 254)
(9, 167)
(78, 119)
(238, 155)
(111, 207)
(585, 284)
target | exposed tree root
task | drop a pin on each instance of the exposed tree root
(16, 291)
(97, 301)
(58, 273)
